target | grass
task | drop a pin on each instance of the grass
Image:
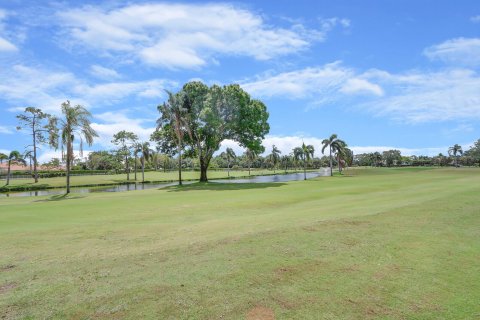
(377, 243)
(112, 179)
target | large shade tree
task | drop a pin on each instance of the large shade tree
(455, 151)
(14, 157)
(75, 125)
(126, 141)
(212, 115)
(41, 127)
(334, 145)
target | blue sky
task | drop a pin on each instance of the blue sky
(380, 74)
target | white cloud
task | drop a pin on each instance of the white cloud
(187, 35)
(418, 97)
(22, 85)
(322, 83)
(356, 85)
(104, 73)
(5, 45)
(475, 19)
(6, 130)
(118, 121)
(459, 51)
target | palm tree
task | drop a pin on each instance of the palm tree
(173, 109)
(304, 154)
(76, 123)
(229, 154)
(126, 140)
(345, 158)
(14, 157)
(147, 153)
(251, 156)
(286, 160)
(275, 157)
(455, 150)
(334, 145)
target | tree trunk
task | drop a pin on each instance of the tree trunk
(331, 164)
(69, 155)
(339, 166)
(179, 165)
(143, 169)
(228, 169)
(135, 167)
(35, 173)
(128, 168)
(203, 170)
(305, 170)
(249, 165)
(8, 173)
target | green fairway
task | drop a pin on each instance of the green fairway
(374, 243)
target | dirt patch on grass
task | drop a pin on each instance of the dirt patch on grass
(260, 313)
(7, 267)
(4, 288)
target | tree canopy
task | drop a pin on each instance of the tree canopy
(211, 115)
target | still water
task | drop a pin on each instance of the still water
(140, 186)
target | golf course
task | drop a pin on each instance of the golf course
(375, 243)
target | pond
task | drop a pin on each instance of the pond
(140, 186)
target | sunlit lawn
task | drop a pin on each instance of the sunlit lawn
(377, 243)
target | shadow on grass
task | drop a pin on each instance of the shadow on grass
(216, 186)
(61, 197)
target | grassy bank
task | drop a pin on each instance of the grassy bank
(377, 243)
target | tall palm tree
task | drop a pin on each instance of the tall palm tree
(304, 154)
(286, 160)
(147, 154)
(75, 124)
(455, 151)
(229, 154)
(275, 157)
(14, 157)
(334, 145)
(177, 114)
(251, 156)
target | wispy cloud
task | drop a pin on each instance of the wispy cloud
(475, 19)
(459, 51)
(187, 35)
(104, 73)
(5, 45)
(324, 83)
(6, 130)
(22, 85)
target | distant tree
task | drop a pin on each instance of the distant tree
(474, 151)
(228, 155)
(391, 157)
(146, 155)
(286, 161)
(75, 123)
(334, 145)
(251, 156)
(42, 130)
(14, 157)
(455, 150)
(54, 163)
(275, 157)
(304, 154)
(125, 140)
